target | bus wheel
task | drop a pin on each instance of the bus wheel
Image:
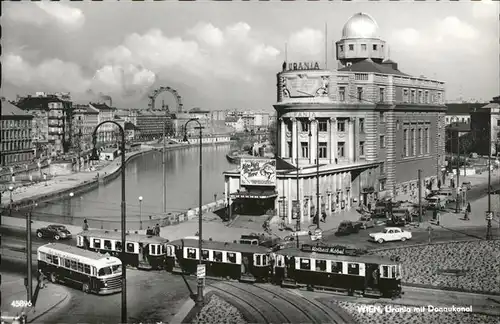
(52, 278)
(85, 287)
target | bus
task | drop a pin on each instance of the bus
(92, 272)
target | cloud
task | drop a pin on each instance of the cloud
(446, 35)
(208, 34)
(44, 13)
(262, 52)
(306, 42)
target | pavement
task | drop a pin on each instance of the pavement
(66, 182)
(13, 290)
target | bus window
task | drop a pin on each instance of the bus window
(118, 245)
(116, 269)
(67, 263)
(385, 271)
(320, 265)
(80, 267)
(106, 271)
(107, 245)
(130, 248)
(86, 269)
(336, 267)
(191, 253)
(73, 265)
(205, 254)
(305, 264)
(55, 260)
(217, 256)
(231, 257)
(97, 243)
(353, 268)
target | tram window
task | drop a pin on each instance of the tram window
(231, 257)
(353, 269)
(80, 267)
(118, 246)
(385, 271)
(73, 265)
(205, 254)
(191, 253)
(336, 267)
(158, 249)
(258, 260)
(130, 248)
(320, 265)
(305, 264)
(398, 271)
(393, 271)
(280, 261)
(264, 260)
(86, 268)
(55, 259)
(217, 256)
(107, 244)
(67, 263)
(97, 243)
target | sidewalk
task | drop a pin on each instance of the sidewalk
(13, 289)
(61, 183)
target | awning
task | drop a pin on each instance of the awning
(255, 194)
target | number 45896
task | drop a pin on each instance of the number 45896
(20, 303)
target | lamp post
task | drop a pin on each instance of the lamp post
(123, 209)
(163, 165)
(140, 212)
(297, 224)
(199, 296)
(489, 216)
(317, 173)
(11, 188)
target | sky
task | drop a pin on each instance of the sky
(225, 55)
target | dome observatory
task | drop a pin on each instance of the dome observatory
(360, 41)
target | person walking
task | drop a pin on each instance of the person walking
(157, 230)
(467, 211)
(85, 226)
(323, 217)
(41, 279)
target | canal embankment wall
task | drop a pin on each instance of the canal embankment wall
(107, 174)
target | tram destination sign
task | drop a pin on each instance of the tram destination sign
(337, 249)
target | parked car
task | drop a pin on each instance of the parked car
(391, 234)
(348, 227)
(366, 222)
(437, 202)
(56, 232)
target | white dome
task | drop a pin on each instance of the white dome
(361, 25)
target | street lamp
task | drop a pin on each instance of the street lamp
(123, 208)
(317, 173)
(199, 297)
(71, 194)
(140, 212)
(11, 188)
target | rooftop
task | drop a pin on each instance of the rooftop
(8, 109)
(463, 108)
(368, 66)
(101, 106)
(37, 103)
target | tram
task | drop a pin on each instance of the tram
(319, 267)
(244, 262)
(141, 251)
(93, 272)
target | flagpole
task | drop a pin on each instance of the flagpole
(326, 46)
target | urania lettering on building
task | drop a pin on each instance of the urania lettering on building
(258, 172)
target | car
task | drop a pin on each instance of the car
(348, 227)
(391, 234)
(437, 202)
(56, 232)
(366, 222)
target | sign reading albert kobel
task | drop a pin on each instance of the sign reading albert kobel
(258, 172)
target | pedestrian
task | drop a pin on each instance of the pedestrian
(439, 184)
(369, 207)
(149, 231)
(467, 211)
(323, 217)
(41, 279)
(157, 230)
(85, 226)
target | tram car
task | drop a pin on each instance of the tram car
(329, 268)
(243, 262)
(141, 251)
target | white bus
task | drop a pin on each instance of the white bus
(93, 272)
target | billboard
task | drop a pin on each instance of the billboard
(301, 85)
(258, 172)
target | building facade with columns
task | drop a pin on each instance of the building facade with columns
(362, 131)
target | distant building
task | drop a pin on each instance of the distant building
(460, 112)
(261, 119)
(485, 125)
(236, 123)
(85, 120)
(106, 134)
(149, 124)
(51, 123)
(16, 135)
(248, 121)
(219, 115)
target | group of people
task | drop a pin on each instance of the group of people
(155, 231)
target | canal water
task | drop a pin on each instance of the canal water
(144, 179)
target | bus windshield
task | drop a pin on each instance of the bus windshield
(106, 271)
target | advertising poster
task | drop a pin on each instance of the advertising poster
(258, 172)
